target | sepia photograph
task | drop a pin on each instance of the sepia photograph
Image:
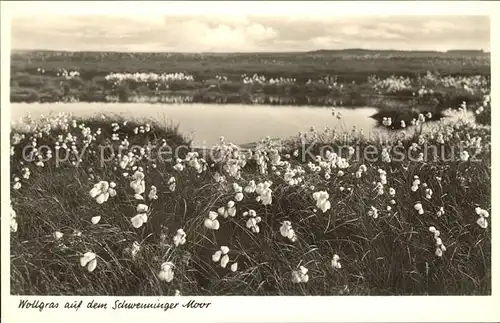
(295, 154)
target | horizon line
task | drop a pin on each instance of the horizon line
(481, 50)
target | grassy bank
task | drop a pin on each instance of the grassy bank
(315, 78)
(375, 220)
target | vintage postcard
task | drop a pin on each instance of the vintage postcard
(226, 161)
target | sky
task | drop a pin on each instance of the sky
(237, 31)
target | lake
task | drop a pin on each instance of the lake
(205, 123)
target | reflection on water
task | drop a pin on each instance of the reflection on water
(219, 98)
(169, 99)
(205, 123)
(239, 123)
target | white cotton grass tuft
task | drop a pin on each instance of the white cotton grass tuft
(89, 260)
(418, 207)
(287, 231)
(171, 184)
(440, 247)
(13, 220)
(58, 235)
(253, 221)
(141, 217)
(373, 212)
(166, 273)
(300, 275)
(321, 198)
(153, 194)
(179, 238)
(221, 256)
(138, 184)
(336, 262)
(211, 221)
(483, 214)
(102, 191)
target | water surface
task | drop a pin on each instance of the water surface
(205, 123)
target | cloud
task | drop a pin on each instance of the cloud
(225, 33)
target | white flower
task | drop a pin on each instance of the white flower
(221, 255)
(96, 219)
(58, 235)
(89, 259)
(482, 222)
(166, 273)
(211, 222)
(251, 187)
(373, 212)
(321, 199)
(141, 217)
(464, 156)
(265, 193)
(153, 193)
(180, 238)
(440, 212)
(483, 214)
(216, 256)
(142, 208)
(252, 224)
(251, 213)
(179, 167)
(237, 188)
(134, 249)
(102, 191)
(287, 231)
(224, 261)
(440, 248)
(300, 275)
(336, 262)
(13, 221)
(139, 220)
(253, 221)
(234, 267)
(231, 209)
(418, 207)
(171, 184)
(177, 293)
(238, 197)
(138, 184)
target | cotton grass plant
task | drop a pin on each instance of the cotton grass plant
(287, 217)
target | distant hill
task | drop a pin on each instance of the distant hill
(333, 52)
(360, 51)
(466, 51)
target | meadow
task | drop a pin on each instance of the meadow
(108, 206)
(350, 78)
